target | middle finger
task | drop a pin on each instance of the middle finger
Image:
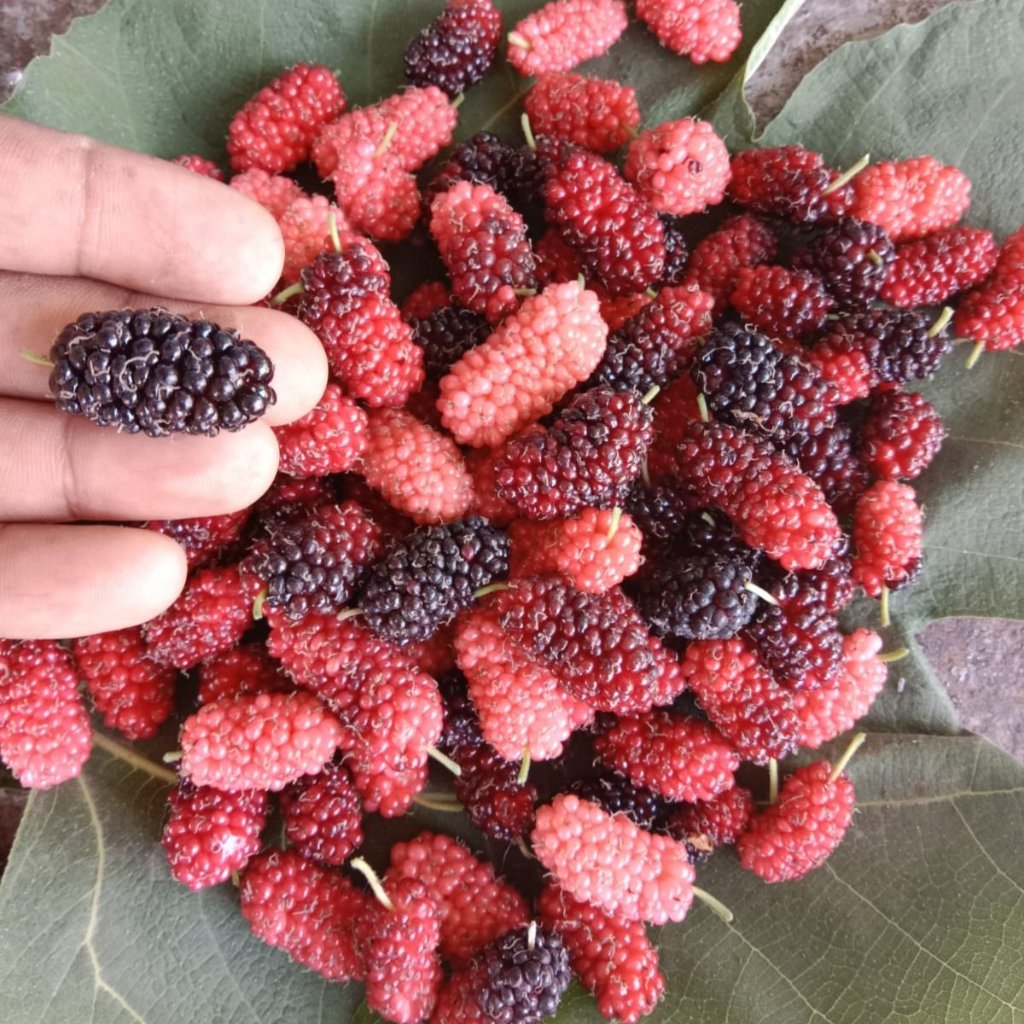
(55, 467)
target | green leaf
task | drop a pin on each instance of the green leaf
(919, 916)
(950, 87)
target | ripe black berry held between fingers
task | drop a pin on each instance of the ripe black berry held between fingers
(154, 371)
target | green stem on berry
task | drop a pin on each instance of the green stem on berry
(236, 879)
(613, 527)
(491, 588)
(458, 101)
(650, 293)
(444, 759)
(126, 754)
(943, 318)
(524, 849)
(581, 280)
(773, 780)
(848, 175)
(173, 756)
(524, 121)
(524, 767)
(360, 865)
(525, 293)
(332, 227)
(349, 613)
(515, 39)
(285, 294)
(257, 605)
(875, 258)
(448, 806)
(716, 906)
(708, 518)
(979, 347)
(884, 608)
(756, 590)
(389, 134)
(844, 758)
(651, 394)
(702, 406)
(35, 357)
(890, 656)
(531, 937)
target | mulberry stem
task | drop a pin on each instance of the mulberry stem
(884, 608)
(448, 806)
(717, 906)
(759, 591)
(515, 39)
(444, 759)
(35, 357)
(332, 227)
(940, 321)
(389, 134)
(524, 767)
(848, 175)
(613, 527)
(128, 755)
(370, 875)
(979, 347)
(897, 655)
(528, 132)
(285, 294)
(773, 780)
(844, 759)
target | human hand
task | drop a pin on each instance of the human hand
(84, 226)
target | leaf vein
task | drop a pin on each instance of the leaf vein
(94, 911)
(907, 935)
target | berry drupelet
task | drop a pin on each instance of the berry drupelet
(154, 371)
(617, 795)
(313, 560)
(597, 644)
(751, 383)
(853, 259)
(484, 159)
(589, 456)
(600, 214)
(525, 975)
(446, 334)
(789, 182)
(656, 344)
(698, 597)
(457, 48)
(424, 581)
(901, 435)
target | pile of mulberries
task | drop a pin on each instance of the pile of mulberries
(574, 526)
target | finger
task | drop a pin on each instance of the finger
(78, 207)
(33, 311)
(65, 581)
(56, 467)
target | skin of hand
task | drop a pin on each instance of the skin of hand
(83, 227)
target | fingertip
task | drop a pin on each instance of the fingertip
(251, 234)
(240, 470)
(300, 368)
(156, 571)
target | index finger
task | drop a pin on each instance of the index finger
(76, 207)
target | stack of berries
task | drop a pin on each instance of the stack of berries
(606, 490)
